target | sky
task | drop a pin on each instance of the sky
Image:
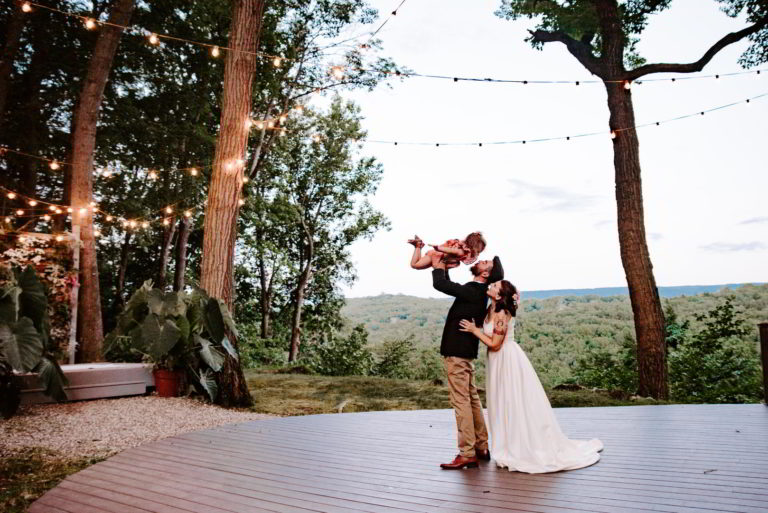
(548, 209)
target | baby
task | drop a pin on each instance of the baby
(450, 252)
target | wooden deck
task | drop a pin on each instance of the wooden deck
(681, 459)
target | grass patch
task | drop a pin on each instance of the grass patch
(300, 394)
(26, 475)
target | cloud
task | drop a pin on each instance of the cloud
(755, 220)
(554, 198)
(737, 246)
(656, 236)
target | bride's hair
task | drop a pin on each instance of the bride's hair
(507, 299)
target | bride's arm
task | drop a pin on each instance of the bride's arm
(494, 342)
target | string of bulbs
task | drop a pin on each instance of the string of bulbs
(337, 71)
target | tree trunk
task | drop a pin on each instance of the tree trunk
(165, 252)
(643, 294)
(296, 319)
(12, 38)
(83, 144)
(226, 181)
(181, 254)
(125, 251)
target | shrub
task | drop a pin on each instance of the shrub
(612, 371)
(395, 359)
(343, 356)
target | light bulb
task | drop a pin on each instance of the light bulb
(260, 125)
(152, 175)
(97, 233)
(277, 61)
(107, 173)
(52, 208)
(7, 219)
(58, 211)
(282, 132)
(271, 124)
(627, 85)
(83, 211)
(26, 7)
(93, 203)
(337, 72)
(90, 24)
(32, 203)
(133, 224)
(187, 213)
(248, 124)
(109, 218)
(145, 224)
(153, 39)
(215, 51)
(283, 118)
(245, 179)
(613, 134)
(166, 222)
(47, 217)
(168, 210)
(59, 238)
(19, 212)
(54, 165)
(316, 138)
(11, 195)
(241, 202)
(22, 239)
(69, 210)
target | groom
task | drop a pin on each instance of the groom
(459, 349)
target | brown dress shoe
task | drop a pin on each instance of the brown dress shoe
(460, 462)
(483, 454)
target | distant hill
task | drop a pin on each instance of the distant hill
(554, 327)
(683, 290)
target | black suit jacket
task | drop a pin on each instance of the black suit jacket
(469, 304)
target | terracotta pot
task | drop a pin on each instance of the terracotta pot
(167, 383)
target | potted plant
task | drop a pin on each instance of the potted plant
(181, 334)
(24, 338)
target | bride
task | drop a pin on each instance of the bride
(525, 435)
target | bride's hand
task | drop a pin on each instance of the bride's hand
(468, 326)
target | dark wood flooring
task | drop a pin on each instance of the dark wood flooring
(681, 459)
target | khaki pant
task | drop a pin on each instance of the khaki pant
(470, 423)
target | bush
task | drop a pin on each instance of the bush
(257, 352)
(428, 365)
(349, 356)
(611, 371)
(715, 365)
(395, 359)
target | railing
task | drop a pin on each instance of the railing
(763, 329)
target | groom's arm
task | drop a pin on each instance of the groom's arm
(443, 283)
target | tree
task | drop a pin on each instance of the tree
(86, 116)
(602, 35)
(323, 188)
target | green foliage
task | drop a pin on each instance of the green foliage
(175, 331)
(716, 365)
(24, 337)
(604, 369)
(341, 356)
(395, 359)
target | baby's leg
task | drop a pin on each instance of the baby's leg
(422, 262)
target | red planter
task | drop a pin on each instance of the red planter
(167, 383)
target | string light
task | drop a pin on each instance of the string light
(47, 217)
(54, 165)
(152, 175)
(166, 222)
(53, 208)
(107, 173)
(270, 124)
(145, 224)
(83, 211)
(260, 125)
(168, 210)
(90, 24)
(109, 218)
(245, 180)
(59, 238)
(248, 124)
(241, 202)
(627, 85)
(277, 62)
(19, 212)
(97, 233)
(132, 224)
(26, 7)
(193, 171)
(187, 213)
(11, 195)
(153, 39)
(32, 203)
(215, 51)
(69, 210)
(316, 138)
(613, 134)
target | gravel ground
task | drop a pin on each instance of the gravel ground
(107, 426)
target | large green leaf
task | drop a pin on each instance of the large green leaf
(184, 327)
(227, 316)
(214, 321)
(208, 382)
(173, 305)
(9, 303)
(33, 301)
(53, 379)
(21, 344)
(210, 354)
(226, 344)
(155, 302)
(195, 316)
(160, 337)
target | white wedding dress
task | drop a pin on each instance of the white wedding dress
(524, 433)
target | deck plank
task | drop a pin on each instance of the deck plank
(668, 459)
